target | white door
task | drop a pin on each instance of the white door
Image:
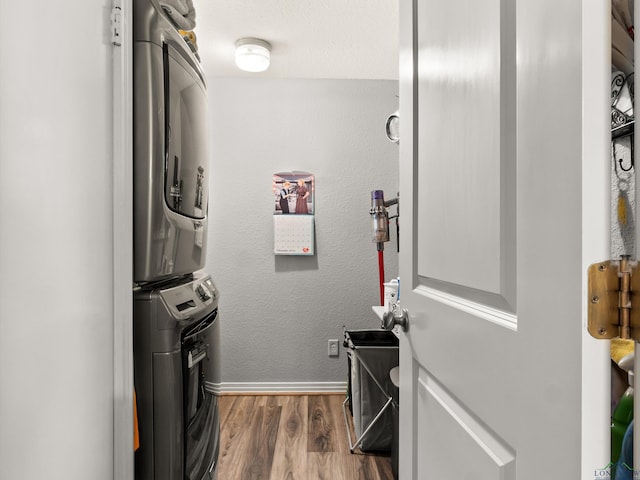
(503, 146)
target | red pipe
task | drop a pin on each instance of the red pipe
(381, 272)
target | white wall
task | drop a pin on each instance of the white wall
(56, 261)
(279, 311)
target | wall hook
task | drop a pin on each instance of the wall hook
(622, 167)
(618, 157)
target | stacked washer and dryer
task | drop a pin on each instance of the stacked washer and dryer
(176, 325)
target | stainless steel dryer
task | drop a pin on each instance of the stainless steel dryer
(177, 378)
(171, 164)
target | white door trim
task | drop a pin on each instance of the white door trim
(123, 459)
(596, 137)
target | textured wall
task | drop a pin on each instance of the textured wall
(279, 311)
(623, 182)
(623, 199)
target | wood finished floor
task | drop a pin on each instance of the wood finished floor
(291, 437)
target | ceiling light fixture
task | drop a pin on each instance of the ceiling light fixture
(252, 54)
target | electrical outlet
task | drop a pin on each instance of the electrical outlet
(333, 348)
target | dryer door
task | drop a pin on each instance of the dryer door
(186, 153)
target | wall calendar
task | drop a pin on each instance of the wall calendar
(293, 217)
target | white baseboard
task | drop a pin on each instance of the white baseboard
(283, 387)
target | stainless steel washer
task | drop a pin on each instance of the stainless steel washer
(177, 379)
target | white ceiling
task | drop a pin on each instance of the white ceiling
(338, 39)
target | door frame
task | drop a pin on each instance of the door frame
(596, 140)
(122, 190)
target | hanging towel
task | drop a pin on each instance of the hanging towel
(621, 43)
(181, 12)
(622, 11)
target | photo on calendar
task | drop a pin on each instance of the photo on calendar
(294, 193)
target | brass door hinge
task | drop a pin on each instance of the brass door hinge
(614, 306)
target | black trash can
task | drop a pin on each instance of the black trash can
(372, 354)
(393, 374)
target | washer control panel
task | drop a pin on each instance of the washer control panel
(186, 299)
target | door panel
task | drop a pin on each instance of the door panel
(446, 420)
(466, 228)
